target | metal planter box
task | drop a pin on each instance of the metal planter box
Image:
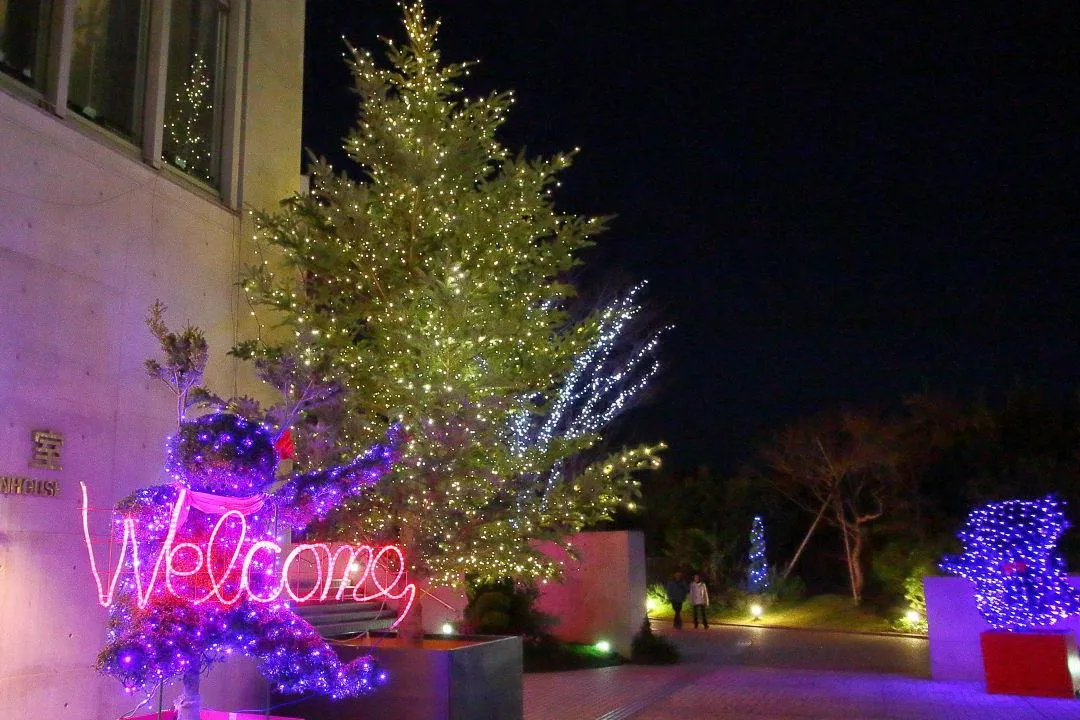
(461, 678)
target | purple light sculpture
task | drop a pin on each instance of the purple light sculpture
(226, 459)
(1010, 554)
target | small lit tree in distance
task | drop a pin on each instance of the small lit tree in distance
(435, 292)
(757, 573)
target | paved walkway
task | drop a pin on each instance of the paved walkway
(709, 691)
(756, 646)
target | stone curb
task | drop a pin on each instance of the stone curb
(878, 633)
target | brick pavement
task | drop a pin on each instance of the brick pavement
(771, 694)
(610, 693)
(741, 693)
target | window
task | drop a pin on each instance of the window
(155, 72)
(24, 26)
(108, 63)
(194, 88)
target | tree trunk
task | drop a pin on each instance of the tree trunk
(841, 520)
(806, 539)
(189, 705)
(856, 563)
(411, 629)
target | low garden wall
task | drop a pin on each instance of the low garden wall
(602, 593)
(955, 624)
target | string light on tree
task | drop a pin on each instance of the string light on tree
(757, 572)
(604, 379)
(433, 293)
(187, 142)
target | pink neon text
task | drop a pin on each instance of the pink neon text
(382, 570)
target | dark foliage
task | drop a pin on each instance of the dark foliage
(506, 608)
(546, 654)
(650, 649)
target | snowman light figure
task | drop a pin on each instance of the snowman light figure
(200, 578)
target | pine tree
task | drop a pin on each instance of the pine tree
(757, 573)
(187, 142)
(435, 292)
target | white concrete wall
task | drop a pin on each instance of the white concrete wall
(602, 594)
(955, 624)
(89, 237)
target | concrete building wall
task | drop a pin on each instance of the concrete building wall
(955, 624)
(90, 236)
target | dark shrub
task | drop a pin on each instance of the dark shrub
(649, 649)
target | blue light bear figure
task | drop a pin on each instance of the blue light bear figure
(1010, 554)
(164, 625)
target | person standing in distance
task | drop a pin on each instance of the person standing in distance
(699, 600)
(676, 590)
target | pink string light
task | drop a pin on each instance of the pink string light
(228, 541)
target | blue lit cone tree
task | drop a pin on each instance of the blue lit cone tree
(757, 571)
(435, 291)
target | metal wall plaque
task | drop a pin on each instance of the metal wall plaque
(45, 449)
(14, 485)
(47, 445)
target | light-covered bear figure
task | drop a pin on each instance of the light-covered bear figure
(199, 578)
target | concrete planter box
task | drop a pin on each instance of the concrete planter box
(460, 678)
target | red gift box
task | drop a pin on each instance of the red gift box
(1040, 663)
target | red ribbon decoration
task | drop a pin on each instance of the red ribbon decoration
(1014, 568)
(284, 446)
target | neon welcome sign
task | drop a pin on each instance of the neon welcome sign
(226, 570)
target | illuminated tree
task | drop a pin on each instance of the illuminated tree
(435, 292)
(187, 143)
(757, 572)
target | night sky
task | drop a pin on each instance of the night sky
(835, 203)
